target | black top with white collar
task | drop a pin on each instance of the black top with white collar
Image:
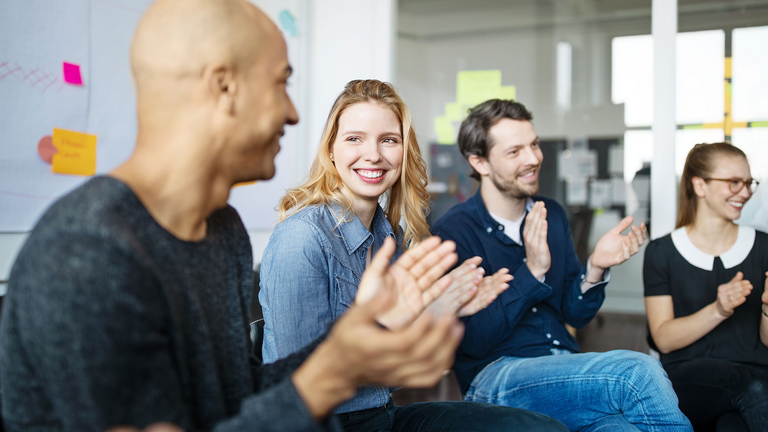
(674, 266)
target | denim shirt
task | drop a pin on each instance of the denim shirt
(309, 276)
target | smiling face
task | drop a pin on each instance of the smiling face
(368, 152)
(514, 159)
(716, 196)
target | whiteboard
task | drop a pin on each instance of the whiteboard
(37, 36)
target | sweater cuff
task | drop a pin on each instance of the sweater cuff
(281, 408)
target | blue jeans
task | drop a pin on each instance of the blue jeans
(613, 391)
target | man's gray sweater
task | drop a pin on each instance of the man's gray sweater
(111, 320)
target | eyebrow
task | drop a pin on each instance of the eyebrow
(365, 133)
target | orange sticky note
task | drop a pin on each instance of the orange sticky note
(77, 153)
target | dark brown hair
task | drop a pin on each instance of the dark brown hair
(473, 134)
(700, 163)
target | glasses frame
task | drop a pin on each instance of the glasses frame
(743, 182)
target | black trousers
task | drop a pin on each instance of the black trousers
(447, 416)
(722, 395)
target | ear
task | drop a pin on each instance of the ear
(699, 186)
(480, 164)
(222, 87)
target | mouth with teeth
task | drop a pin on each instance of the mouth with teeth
(735, 204)
(370, 175)
(529, 176)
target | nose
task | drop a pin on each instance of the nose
(372, 153)
(532, 156)
(292, 116)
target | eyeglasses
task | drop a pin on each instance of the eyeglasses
(737, 184)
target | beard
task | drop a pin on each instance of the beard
(511, 188)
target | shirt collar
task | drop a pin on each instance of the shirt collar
(354, 234)
(730, 258)
(491, 226)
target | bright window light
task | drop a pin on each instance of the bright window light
(638, 148)
(685, 139)
(632, 79)
(700, 77)
(754, 142)
(750, 74)
(564, 67)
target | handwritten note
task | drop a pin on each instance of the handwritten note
(77, 153)
(72, 74)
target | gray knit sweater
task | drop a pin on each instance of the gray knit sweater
(110, 320)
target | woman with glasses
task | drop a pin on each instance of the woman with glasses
(706, 296)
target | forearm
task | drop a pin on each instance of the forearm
(321, 384)
(680, 332)
(764, 324)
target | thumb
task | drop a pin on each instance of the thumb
(624, 224)
(375, 307)
(739, 276)
(380, 261)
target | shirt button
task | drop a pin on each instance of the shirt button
(489, 230)
(549, 336)
(582, 277)
(580, 297)
(556, 342)
(500, 227)
(525, 259)
(534, 310)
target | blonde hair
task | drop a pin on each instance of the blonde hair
(700, 163)
(408, 197)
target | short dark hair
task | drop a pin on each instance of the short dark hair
(473, 134)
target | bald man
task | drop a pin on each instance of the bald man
(128, 304)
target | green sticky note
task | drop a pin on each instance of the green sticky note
(759, 124)
(474, 87)
(453, 111)
(444, 130)
(508, 92)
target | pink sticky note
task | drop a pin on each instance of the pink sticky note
(72, 74)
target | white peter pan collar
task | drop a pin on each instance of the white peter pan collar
(731, 258)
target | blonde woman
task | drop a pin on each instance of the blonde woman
(706, 319)
(331, 226)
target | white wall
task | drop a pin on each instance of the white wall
(349, 39)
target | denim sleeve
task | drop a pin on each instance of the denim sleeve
(295, 289)
(111, 364)
(578, 308)
(484, 329)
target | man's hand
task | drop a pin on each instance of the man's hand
(412, 279)
(462, 289)
(732, 295)
(765, 291)
(359, 352)
(613, 248)
(535, 238)
(487, 291)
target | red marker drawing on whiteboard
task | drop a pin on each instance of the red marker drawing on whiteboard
(72, 74)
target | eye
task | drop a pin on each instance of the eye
(353, 138)
(535, 144)
(391, 140)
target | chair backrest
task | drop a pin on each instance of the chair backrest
(257, 337)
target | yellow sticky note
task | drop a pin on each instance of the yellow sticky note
(444, 131)
(454, 112)
(474, 87)
(508, 92)
(76, 153)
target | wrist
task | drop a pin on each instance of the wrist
(322, 383)
(594, 274)
(719, 313)
(538, 273)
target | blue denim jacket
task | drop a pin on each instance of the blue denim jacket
(309, 276)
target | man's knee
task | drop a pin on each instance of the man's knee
(515, 419)
(756, 391)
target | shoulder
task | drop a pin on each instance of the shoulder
(458, 215)
(659, 249)
(304, 230)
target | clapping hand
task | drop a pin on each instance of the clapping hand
(412, 278)
(732, 294)
(613, 248)
(535, 238)
(765, 291)
(487, 291)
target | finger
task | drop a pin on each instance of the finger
(739, 276)
(625, 249)
(418, 252)
(624, 224)
(644, 230)
(543, 231)
(428, 261)
(426, 275)
(368, 310)
(633, 241)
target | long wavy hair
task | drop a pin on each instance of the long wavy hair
(407, 198)
(700, 162)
